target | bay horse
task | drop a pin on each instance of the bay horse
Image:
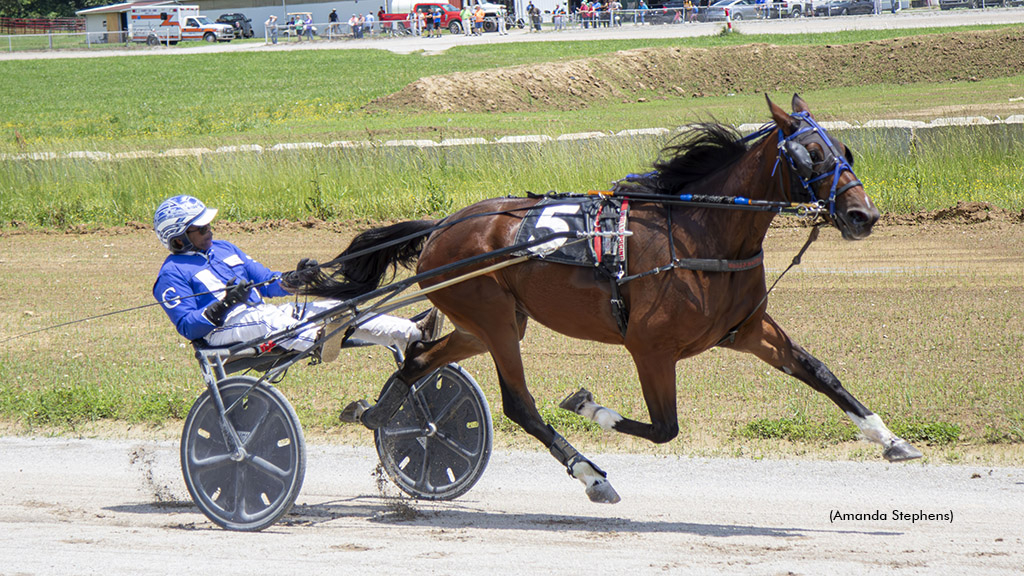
(674, 314)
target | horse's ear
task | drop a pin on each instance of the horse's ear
(799, 105)
(782, 120)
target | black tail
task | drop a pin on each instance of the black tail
(363, 265)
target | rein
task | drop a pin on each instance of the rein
(131, 309)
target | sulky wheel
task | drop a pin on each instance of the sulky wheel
(252, 487)
(438, 444)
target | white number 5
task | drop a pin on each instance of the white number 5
(550, 218)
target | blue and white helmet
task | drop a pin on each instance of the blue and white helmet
(176, 214)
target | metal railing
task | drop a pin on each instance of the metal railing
(63, 41)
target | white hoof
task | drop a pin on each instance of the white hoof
(601, 491)
(901, 451)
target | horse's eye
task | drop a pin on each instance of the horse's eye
(816, 156)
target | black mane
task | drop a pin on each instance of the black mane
(698, 151)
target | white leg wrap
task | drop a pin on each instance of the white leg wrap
(585, 473)
(874, 429)
(606, 418)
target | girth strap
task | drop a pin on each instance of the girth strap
(703, 265)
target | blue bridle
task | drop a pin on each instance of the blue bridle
(794, 149)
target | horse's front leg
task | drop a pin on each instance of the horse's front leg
(658, 382)
(771, 344)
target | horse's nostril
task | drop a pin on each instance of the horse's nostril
(860, 218)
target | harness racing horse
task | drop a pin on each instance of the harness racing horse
(674, 314)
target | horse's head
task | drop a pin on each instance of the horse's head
(822, 169)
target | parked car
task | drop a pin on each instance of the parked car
(845, 7)
(791, 9)
(738, 10)
(241, 24)
(665, 13)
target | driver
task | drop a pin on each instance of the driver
(226, 309)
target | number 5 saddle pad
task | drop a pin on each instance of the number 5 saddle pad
(600, 224)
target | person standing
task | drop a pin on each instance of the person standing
(641, 12)
(368, 24)
(478, 21)
(502, 25)
(271, 26)
(437, 22)
(308, 25)
(467, 20)
(333, 26)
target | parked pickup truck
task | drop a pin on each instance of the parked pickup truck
(450, 16)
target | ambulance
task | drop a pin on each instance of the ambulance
(170, 24)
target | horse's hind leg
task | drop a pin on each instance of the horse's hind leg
(421, 359)
(500, 327)
(772, 345)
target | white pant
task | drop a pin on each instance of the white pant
(245, 323)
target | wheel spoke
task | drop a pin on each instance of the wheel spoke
(456, 447)
(255, 431)
(238, 512)
(407, 433)
(269, 468)
(211, 463)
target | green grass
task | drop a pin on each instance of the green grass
(937, 169)
(167, 100)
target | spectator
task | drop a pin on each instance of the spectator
(437, 22)
(478, 20)
(308, 26)
(641, 12)
(688, 10)
(583, 13)
(558, 17)
(368, 23)
(271, 26)
(614, 17)
(333, 26)
(467, 20)
(762, 8)
(535, 16)
(502, 24)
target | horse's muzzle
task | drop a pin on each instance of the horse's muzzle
(857, 222)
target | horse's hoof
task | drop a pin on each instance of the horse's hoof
(900, 451)
(602, 492)
(353, 413)
(574, 401)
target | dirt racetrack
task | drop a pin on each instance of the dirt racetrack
(119, 508)
(635, 75)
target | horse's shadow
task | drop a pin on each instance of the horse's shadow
(406, 511)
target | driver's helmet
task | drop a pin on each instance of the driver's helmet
(175, 215)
